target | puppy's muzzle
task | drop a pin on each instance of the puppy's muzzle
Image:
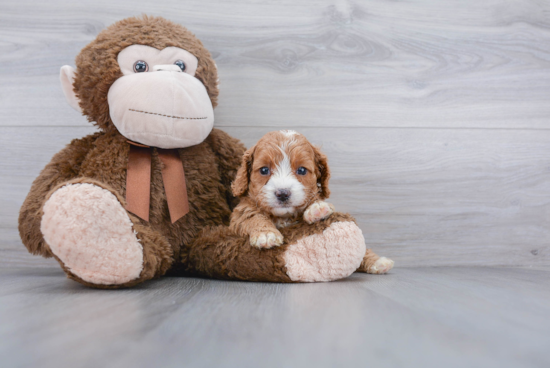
(282, 195)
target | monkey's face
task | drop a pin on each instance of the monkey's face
(158, 101)
(147, 78)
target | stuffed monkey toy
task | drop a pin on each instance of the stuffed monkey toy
(150, 192)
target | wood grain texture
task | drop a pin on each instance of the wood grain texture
(423, 197)
(434, 115)
(373, 63)
(413, 317)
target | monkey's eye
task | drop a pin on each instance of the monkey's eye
(264, 170)
(181, 64)
(301, 171)
(140, 66)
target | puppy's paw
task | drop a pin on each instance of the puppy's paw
(382, 265)
(266, 239)
(318, 211)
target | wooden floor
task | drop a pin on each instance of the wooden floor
(414, 317)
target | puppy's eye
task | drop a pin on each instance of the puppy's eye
(181, 64)
(264, 170)
(301, 171)
(140, 66)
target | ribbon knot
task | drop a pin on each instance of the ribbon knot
(138, 181)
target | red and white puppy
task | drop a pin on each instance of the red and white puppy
(283, 179)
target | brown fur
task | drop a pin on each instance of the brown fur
(101, 158)
(199, 242)
(234, 258)
(64, 166)
(157, 253)
(253, 214)
(368, 261)
(97, 67)
(209, 169)
(266, 152)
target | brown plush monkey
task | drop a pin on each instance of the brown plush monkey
(151, 191)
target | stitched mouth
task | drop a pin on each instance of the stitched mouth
(168, 116)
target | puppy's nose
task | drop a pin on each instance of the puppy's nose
(282, 194)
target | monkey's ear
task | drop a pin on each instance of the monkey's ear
(66, 76)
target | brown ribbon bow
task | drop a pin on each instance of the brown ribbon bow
(138, 181)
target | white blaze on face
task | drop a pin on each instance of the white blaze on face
(284, 177)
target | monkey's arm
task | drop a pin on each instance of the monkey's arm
(229, 152)
(64, 166)
(247, 220)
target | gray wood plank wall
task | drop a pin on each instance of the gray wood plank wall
(434, 114)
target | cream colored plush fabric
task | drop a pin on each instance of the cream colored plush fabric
(162, 107)
(87, 228)
(332, 255)
(168, 56)
(165, 109)
(66, 76)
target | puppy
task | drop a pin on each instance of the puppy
(283, 179)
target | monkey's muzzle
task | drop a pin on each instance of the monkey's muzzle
(164, 108)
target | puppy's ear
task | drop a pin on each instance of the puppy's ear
(240, 184)
(324, 173)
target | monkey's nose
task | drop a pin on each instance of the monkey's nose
(166, 68)
(282, 194)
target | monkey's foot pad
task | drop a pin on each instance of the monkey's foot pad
(334, 254)
(89, 231)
